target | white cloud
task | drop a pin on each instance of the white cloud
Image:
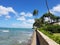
(28, 14)
(8, 17)
(22, 13)
(56, 10)
(14, 24)
(22, 25)
(6, 10)
(27, 23)
(30, 21)
(22, 18)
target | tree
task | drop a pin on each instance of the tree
(47, 5)
(38, 23)
(57, 19)
(35, 12)
(50, 17)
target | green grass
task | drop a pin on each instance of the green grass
(55, 36)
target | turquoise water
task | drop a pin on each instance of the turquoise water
(15, 36)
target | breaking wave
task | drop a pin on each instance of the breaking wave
(4, 30)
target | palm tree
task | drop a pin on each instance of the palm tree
(35, 12)
(38, 23)
(47, 6)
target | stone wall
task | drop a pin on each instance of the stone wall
(44, 40)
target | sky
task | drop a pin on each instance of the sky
(18, 13)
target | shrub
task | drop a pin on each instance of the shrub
(52, 28)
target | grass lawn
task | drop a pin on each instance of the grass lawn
(57, 34)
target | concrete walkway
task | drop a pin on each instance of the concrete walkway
(34, 38)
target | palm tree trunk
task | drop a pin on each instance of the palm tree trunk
(47, 5)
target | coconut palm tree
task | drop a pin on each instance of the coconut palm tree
(35, 12)
(52, 17)
(47, 6)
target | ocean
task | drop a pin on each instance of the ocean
(15, 36)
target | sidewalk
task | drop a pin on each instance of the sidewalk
(34, 38)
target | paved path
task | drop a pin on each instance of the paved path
(34, 38)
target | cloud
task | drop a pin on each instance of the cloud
(27, 23)
(8, 17)
(22, 18)
(6, 11)
(22, 25)
(24, 15)
(28, 14)
(30, 21)
(56, 10)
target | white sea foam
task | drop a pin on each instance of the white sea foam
(20, 41)
(5, 30)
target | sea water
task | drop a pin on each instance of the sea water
(15, 36)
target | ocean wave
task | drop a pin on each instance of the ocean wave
(4, 30)
(20, 41)
(25, 42)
